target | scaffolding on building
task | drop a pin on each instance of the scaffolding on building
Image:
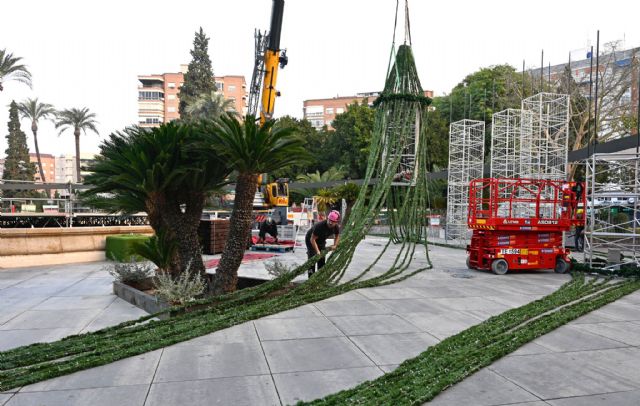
(613, 213)
(545, 152)
(508, 128)
(466, 161)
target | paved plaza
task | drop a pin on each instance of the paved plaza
(321, 348)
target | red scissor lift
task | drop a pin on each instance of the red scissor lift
(518, 223)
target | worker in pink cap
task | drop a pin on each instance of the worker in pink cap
(316, 238)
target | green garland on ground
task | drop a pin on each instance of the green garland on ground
(399, 121)
(420, 379)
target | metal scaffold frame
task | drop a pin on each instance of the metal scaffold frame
(545, 153)
(508, 128)
(466, 161)
(613, 212)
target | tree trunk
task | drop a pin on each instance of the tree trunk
(165, 214)
(185, 229)
(226, 277)
(76, 133)
(34, 129)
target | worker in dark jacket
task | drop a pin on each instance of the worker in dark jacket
(316, 238)
(270, 227)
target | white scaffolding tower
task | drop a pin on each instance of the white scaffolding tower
(613, 212)
(545, 153)
(466, 158)
(508, 128)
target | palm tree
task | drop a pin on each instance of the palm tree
(250, 149)
(166, 173)
(210, 106)
(10, 69)
(33, 110)
(331, 174)
(79, 120)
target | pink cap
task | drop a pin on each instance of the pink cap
(334, 216)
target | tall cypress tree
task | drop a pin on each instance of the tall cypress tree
(17, 165)
(199, 78)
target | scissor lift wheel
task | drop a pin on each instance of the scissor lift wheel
(499, 266)
(561, 266)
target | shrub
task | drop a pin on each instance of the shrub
(158, 249)
(121, 247)
(277, 268)
(131, 271)
(181, 290)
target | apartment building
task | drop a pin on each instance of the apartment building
(48, 166)
(158, 100)
(321, 112)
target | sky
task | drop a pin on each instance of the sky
(89, 54)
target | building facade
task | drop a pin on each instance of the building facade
(321, 112)
(48, 166)
(618, 73)
(158, 100)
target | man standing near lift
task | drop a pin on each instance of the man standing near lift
(316, 238)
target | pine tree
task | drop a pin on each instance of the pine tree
(17, 165)
(199, 78)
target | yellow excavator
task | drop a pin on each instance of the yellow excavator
(262, 93)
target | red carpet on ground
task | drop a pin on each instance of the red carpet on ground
(246, 258)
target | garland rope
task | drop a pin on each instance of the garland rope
(400, 123)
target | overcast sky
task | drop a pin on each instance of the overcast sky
(88, 54)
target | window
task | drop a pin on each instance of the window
(171, 97)
(171, 85)
(220, 86)
(339, 110)
(232, 88)
(329, 110)
(171, 109)
(145, 95)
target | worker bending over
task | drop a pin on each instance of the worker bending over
(270, 227)
(316, 238)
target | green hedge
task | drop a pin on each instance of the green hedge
(120, 247)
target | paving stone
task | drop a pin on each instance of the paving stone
(351, 295)
(89, 286)
(17, 291)
(468, 303)
(388, 368)
(4, 398)
(513, 300)
(442, 325)
(129, 371)
(630, 398)
(394, 348)
(569, 338)
(402, 306)
(430, 292)
(285, 329)
(558, 375)
(17, 338)
(592, 317)
(390, 293)
(239, 391)
(307, 386)
(302, 311)
(241, 333)
(625, 332)
(484, 388)
(75, 302)
(315, 354)
(373, 324)
(117, 312)
(189, 362)
(133, 395)
(530, 349)
(621, 311)
(352, 307)
(34, 319)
